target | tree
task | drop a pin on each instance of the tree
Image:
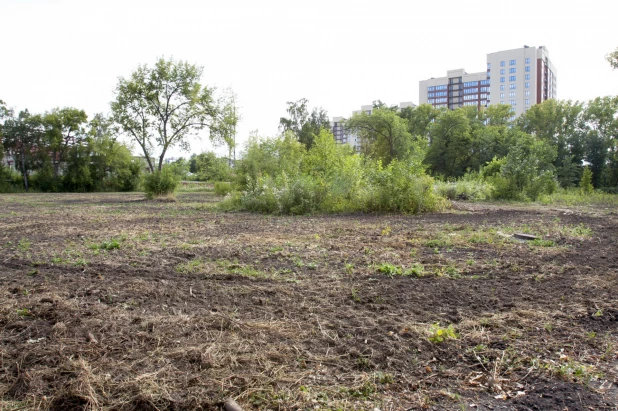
(526, 172)
(450, 144)
(601, 118)
(419, 119)
(163, 106)
(23, 139)
(560, 124)
(612, 59)
(208, 167)
(383, 133)
(4, 112)
(305, 126)
(227, 133)
(63, 129)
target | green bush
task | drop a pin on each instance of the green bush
(160, 183)
(129, 178)
(585, 184)
(223, 188)
(281, 177)
(402, 188)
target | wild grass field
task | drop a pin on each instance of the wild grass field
(111, 302)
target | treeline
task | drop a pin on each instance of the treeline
(61, 150)
(157, 108)
(557, 138)
(411, 159)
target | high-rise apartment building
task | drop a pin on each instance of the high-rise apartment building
(343, 136)
(519, 77)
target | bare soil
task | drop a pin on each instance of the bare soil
(110, 302)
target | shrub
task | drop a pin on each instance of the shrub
(399, 187)
(585, 184)
(465, 189)
(160, 183)
(280, 177)
(222, 188)
(128, 178)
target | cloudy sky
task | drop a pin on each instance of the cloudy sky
(337, 54)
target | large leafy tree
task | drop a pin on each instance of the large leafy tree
(64, 128)
(163, 106)
(559, 123)
(419, 119)
(450, 144)
(601, 118)
(24, 140)
(383, 133)
(304, 124)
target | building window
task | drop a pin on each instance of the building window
(527, 68)
(527, 85)
(526, 102)
(501, 95)
(443, 87)
(511, 86)
(502, 64)
(502, 87)
(512, 78)
(488, 66)
(471, 91)
(511, 62)
(501, 71)
(527, 76)
(484, 82)
(527, 60)
(526, 93)
(501, 79)
(512, 94)
(486, 89)
(431, 88)
(512, 102)
(502, 102)
(512, 70)
(471, 83)
(471, 97)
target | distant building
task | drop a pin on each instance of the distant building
(520, 78)
(342, 136)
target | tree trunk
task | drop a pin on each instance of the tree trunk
(23, 165)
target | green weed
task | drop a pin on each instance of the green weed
(389, 269)
(440, 334)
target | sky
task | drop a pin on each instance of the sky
(337, 54)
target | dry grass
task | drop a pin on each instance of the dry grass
(195, 306)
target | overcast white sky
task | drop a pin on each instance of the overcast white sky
(337, 54)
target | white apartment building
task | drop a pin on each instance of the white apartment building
(519, 77)
(343, 136)
(455, 90)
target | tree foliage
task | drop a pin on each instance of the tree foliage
(384, 134)
(163, 106)
(612, 59)
(304, 124)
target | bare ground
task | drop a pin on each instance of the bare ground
(110, 302)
